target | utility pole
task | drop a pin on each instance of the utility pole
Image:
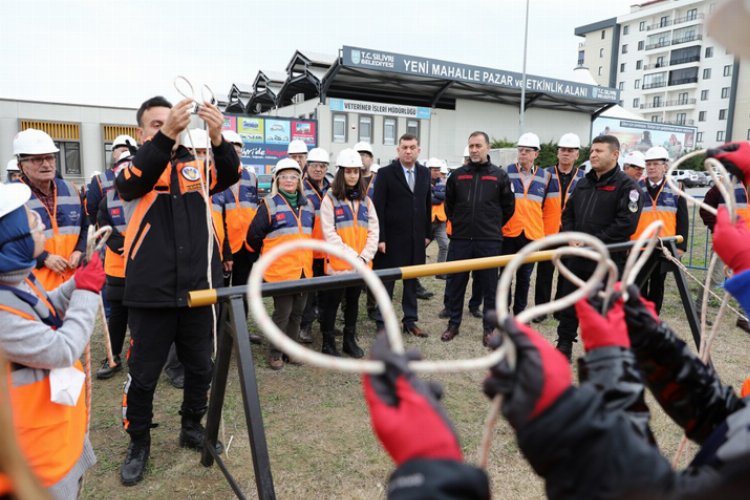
(523, 79)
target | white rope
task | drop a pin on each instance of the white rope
(640, 253)
(573, 278)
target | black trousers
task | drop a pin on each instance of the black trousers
(545, 271)
(408, 303)
(152, 332)
(475, 301)
(455, 286)
(329, 304)
(117, 323)
(243, 264)
(652, 276)
(523, 274)
(310, 314)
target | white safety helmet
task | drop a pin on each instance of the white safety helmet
(466, 152)
(635, 158)
(364, 147)
(318, 155)
(529, 140)
(232, 137)
(95, 173)
(124, 140)
(296, 146)
(194, 138)
(656, 153)
(33, 142)
(444, 169)
(436, 163)
(349, 158)
(13, 196)
(374, 167)
(286, 164)
(569, 140)
(12, 166)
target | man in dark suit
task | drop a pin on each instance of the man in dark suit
(403, 202)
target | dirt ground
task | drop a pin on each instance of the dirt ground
(317, 426)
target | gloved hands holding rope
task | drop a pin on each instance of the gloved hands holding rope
(732, 241)
(735, 156)
(602, 330)
(91, 276)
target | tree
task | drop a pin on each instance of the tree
(547, 153)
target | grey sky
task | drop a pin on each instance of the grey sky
(118, 53)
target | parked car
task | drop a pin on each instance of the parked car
(694, 179)
(682, 176)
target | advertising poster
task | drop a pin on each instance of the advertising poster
(304, 131)
(230, 122)
(251, 129)
(278, 131)
(640, 135)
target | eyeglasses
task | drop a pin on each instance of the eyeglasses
(526, 150)
(289, 177)
(39, 160)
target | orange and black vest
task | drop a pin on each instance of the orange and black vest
(663, 208)
(217, 215)
(315, 197)
(553, 204)
(528, 217)
(288, 225)
(240, 207)
(741, 202)
(351, 228)
(51, 436)
(114, 263)
(62, 229)
(438, 210)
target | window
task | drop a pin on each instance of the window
(625, 30)
(69, 158)
(601, 53)
(707, 73)
(659, 61)
(699, 137)
(603, 34)
(720, 136)
(686, 55)
(641, 27)
(704, 95)
(600, 71)
(664, 21)
(748, 134)
(636, 103)
(681, 118)
(709, 52)
(728, 70)
(390, 132)
(640, 45)
(625, 48)
(725, 92)
(639, 64)
(580, 57)
(621, 86)
(365, 128)
(701, 116)
(722, 114)
(692, 14)
(654, 118)
(412, 127)
(637, 84)
(682, 76)
(339, 127)
(622, 67)
(656, 103)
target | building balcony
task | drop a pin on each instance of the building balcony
(683, 81)
(672, 62)
(654, 85)
(668, 104)
(658, 45)
(679, 122)
(687, 39)
(672, 22)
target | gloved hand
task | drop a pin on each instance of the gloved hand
(732, 241)
(91, 276)
(735, 156)
(542, 374)
(602, 331)
(405, 412)
(640, 316)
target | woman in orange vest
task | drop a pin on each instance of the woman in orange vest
(348, 220)
(46, 378)
(285, 215)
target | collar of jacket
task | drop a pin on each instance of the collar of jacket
(604, 179)
(479, 166)
(315, 185)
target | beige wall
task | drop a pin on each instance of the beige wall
(592, 45)
(741, 124)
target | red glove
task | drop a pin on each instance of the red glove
(91, 276)
(732, 241)
(404, 410)
(602, 331)
(735, 156)
(542, 374)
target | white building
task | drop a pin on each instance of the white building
(667, 68)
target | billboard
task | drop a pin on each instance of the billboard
(377, 108)
(266, 138)
(638, 135)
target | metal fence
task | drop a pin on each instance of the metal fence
(700, 242)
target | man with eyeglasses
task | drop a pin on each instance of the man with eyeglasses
(58, 203)
(634, 164)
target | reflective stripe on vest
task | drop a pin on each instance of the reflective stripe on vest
(106, 181)
(114, 263)
(527, 217)
(63, 228)
(286, 225)
(351, 228)
(553, 208)
(371, 186)
(217, 215)
(663, 208)
(316, 198)
(438, 211)
(241, 205)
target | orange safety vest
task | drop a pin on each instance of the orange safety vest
(286, 225)
(438, 211)
(316, 198)
(240, 207)
(741, 202)
(528, 217)
(663, 208)
(114, 263)
(553, 206)
(352, 229)
(63, 228)
(51, 436)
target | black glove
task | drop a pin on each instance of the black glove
(735, 156)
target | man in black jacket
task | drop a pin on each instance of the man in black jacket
(478, 202)
(606, 204)
(403, 201)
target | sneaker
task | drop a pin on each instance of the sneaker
(106, 371)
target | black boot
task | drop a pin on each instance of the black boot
(350, 344)
(131, 471)
(193, 434)
(329, 345)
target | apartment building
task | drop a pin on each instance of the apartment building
(668, 70)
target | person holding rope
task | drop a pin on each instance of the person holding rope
(166, 193)
(348, 219)
(284, 215)
(43, 335)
